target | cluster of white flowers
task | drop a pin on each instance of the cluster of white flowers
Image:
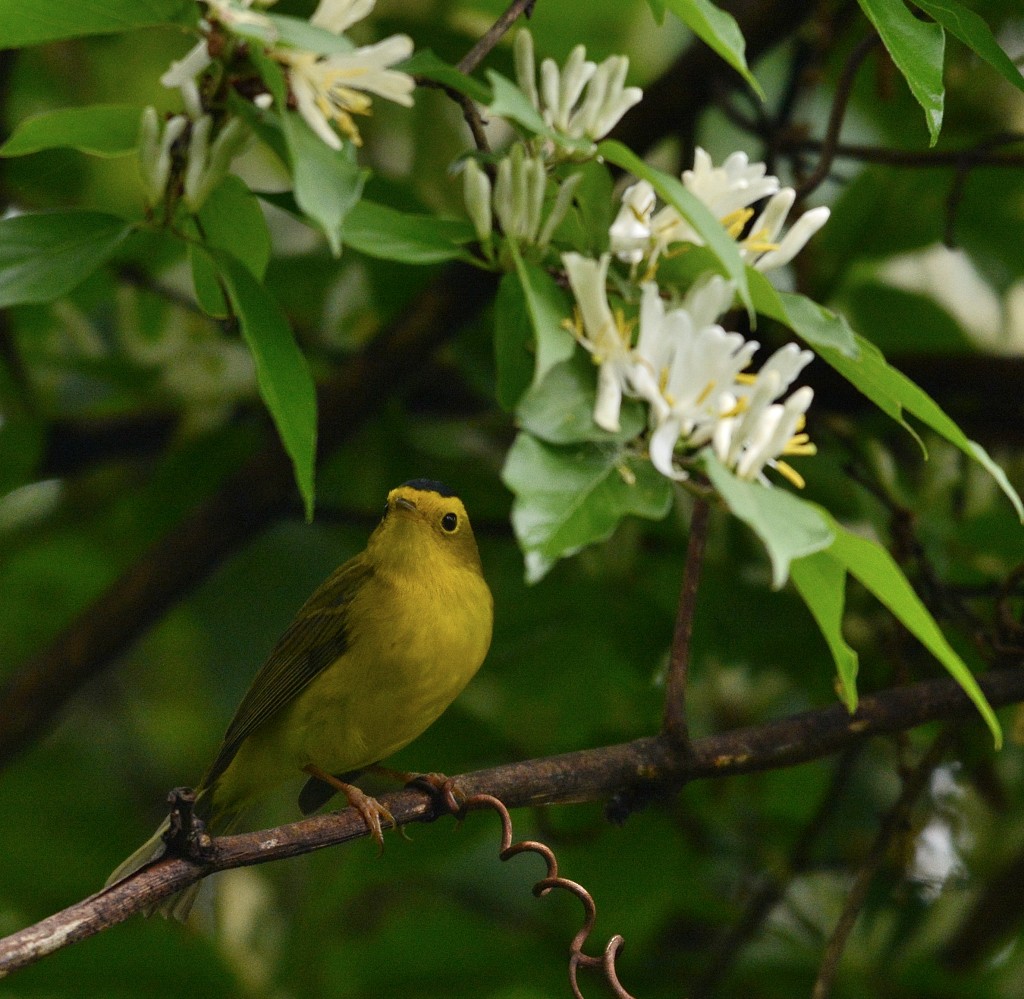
(729, 191)
(692, 375)
(581, 101)
(690, 372)
(328, 90)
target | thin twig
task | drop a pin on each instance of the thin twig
(494, 34)
(894, 820)
(674, 722)
(844, 90)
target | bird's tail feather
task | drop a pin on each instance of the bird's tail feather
(178, 905)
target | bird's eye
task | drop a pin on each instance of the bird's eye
(449, 522)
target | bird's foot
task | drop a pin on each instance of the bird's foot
(373, 812)
(442, 788)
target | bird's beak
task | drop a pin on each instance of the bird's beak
(405, 504)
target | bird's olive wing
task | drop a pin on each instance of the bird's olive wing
(316, 637)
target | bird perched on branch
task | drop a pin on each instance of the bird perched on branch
(371, 660)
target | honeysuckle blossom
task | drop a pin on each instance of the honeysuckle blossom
(338, 15)
(331, 89)
(583, 99)
(729, 191)
(517, 199)
(606, 336)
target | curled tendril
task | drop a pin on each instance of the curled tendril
(459, 805)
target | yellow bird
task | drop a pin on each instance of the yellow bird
(371, 660)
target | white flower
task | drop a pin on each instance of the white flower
(759, 431)
(330, 89)
(337, 15)
(602, 334)
(582, 100)
(701, 363)
(155, 141)
(183, 73)
(237, 16)
(728, 191)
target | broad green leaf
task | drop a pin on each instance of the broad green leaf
(328, 182)
(547, 307)
(32, 23)
(570, 497)
(388, 234)
(719, 31)
(44, 255)
(966, 25)
(513, 342)
(281, 370)
(820, 579)
(691, 208)
(917, 48)
(789, 526)
(893, 392)
(560, 408)
(875, 568)
(511, 103)
(426, 64)
(813, 323)
(100, 129)
(231, 220)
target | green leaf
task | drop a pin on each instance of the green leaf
(813, 323)
(719, 30)
(820, 579)
(100, 130)
(513, 343)
(231, 220)
(560, 408)
(388, 234)
(893, 392)
(879, 573)
(570, 497)
(917, 48)
(426, 64)
(328, 182)
(32, 23)
(691, 208)
(44, 255)
(974, 33)
(298, 33)
(511, 103)
(789, 526)
(547, 307)
(281, 370)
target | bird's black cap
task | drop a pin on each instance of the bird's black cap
(429, 486)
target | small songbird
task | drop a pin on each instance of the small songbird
(371, 659)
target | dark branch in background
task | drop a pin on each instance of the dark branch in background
(494, 34)
(895, 820)
(250, 500)
(773, 887)
(585, 775)
(840, 101)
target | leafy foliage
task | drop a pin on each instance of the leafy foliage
(199, 277)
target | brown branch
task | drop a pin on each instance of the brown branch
(584, 775)
(250, 499)
(483, 48)
(674, 723)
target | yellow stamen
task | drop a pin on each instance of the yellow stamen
(708, 389)
(758, 242)
(745, 378)
(736, 220)
(790, 473)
